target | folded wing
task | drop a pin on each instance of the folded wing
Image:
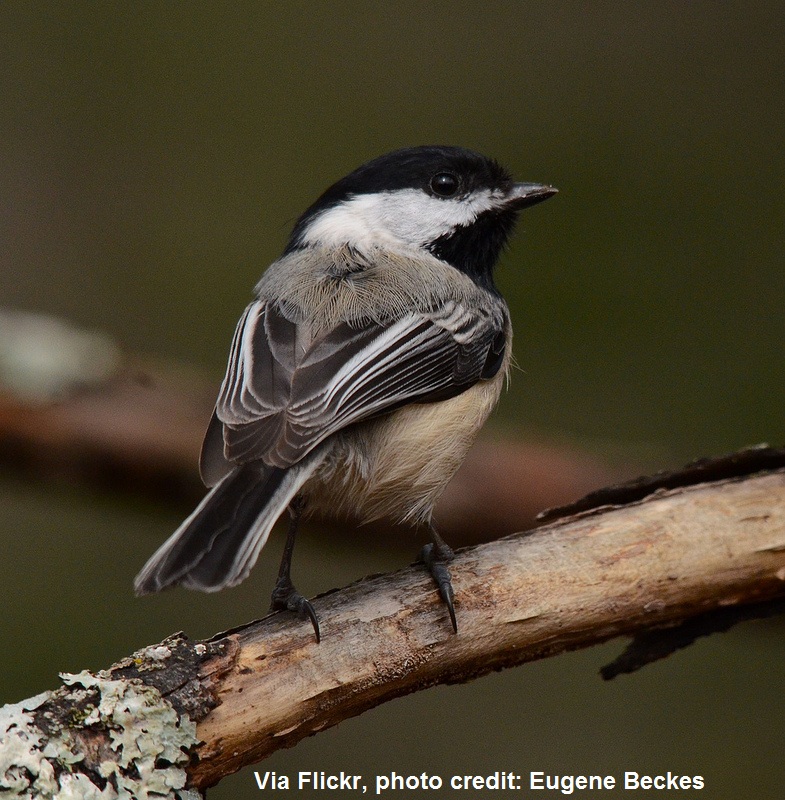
(281, 398)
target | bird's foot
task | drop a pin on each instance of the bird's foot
(286, 598)
(436, 558)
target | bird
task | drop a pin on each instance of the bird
(372, 353)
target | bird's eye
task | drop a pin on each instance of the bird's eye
(444, 184)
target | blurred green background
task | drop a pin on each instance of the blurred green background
(152, 159)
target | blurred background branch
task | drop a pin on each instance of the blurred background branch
(76, 407)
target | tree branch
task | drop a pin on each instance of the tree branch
(677, 555)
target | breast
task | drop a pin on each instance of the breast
(397, 466)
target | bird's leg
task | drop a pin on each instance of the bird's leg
(285, 597)
(436, 556)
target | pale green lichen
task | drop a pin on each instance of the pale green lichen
(21, 750)
(149, 740)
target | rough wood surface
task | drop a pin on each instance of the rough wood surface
(692, 559)
(578, 582)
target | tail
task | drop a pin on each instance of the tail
(221, 540)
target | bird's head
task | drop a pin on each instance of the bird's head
(451, 202)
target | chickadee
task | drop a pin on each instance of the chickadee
(374, 351)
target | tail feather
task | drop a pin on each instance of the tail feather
(217, 545)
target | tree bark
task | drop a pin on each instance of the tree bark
(686, 553)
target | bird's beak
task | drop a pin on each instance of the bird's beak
(527, 194)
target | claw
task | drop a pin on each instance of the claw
(307, 610)
(436, 559)
(286, 598)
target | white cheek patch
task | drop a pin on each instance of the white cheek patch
(406, 216)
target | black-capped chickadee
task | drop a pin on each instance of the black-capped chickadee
(374, 351)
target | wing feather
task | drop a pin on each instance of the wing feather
(281, 398)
